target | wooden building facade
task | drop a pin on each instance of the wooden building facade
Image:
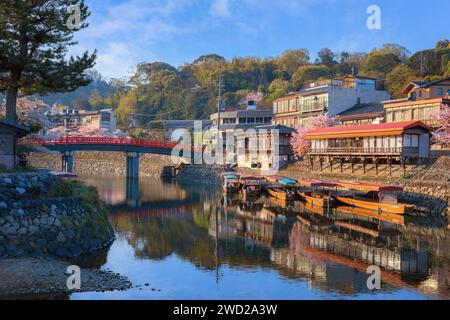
(389, 143)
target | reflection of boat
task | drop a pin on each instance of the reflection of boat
(315, 199)
(280, 202)
(230, 182)
(375, 197)
(390, 217)
(251, 186)
(280, 192)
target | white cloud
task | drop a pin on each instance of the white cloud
(220, 8)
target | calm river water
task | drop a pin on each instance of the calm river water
(185, 241)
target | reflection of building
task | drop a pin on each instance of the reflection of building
(103, 119)
(425, 99)
(330, 96)
(335, 261)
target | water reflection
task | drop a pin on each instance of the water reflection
(301, 252)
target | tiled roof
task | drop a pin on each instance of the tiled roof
(363, 109)
(363, 130)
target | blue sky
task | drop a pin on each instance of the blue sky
(126, 32)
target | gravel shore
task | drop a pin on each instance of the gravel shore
(30, 278)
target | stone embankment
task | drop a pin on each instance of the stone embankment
(103, 163)
(42, 215)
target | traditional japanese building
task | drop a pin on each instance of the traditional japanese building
(9, 132)
(425, 99)
(368, 113)
(400, 142)
(329, 96)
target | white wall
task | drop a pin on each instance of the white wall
(341, 99)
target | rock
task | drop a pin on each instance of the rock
(3, 205)
(20, 190)
(61, 237)
(7, 180)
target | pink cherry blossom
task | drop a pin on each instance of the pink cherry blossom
(299, 143)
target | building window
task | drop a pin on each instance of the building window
(250, 120)
(448, 92)
(440, 91)
(420, 94)
(242, 120)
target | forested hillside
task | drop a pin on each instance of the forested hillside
(189, 92)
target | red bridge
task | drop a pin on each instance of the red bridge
(68, 147)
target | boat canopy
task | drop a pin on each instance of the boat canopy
(368, 187)
(316, 183)
(288, 182)
(251, 180)
(230, 175)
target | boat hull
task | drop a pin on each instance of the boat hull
(320, 200)
(383, 207)
(280, 194)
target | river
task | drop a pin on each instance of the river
(185, 241)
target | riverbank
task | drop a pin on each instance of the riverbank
(44, 215)
(102, 163)
(31, 277)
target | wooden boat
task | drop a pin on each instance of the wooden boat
(251, 186)
(280, 192)
(315, 199)
(376, 197)
(389, 217)
(230, 182)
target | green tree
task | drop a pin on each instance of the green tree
(399, 51)
(398, 79)
(95, 99)
(290, 61)
(378, 65)
(34, 40)
(326, 57)
(127, 106)
(443, 44)
(309, 73)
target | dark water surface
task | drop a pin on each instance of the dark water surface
(185, 241)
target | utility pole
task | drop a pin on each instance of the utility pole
(219, 104)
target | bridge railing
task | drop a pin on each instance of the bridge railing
(112, 142)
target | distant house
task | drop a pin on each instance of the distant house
(329, 96)
(257, 154)
(103, 119)
(170, 126)
(425, 99)
(374, 143)
(367, 113)
(9, 132)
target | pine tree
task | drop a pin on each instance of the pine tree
(34, 40)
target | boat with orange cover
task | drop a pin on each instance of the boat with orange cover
(314, 196)
(374, 197)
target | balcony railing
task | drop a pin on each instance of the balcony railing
(316, 106)
(404, 151)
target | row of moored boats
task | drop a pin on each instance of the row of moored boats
(317, 193)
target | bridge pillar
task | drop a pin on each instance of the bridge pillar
(132, 165)
(67, 161)
(133, 196)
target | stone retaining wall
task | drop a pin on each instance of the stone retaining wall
(34, 224)
(201, 173)
(103, 163)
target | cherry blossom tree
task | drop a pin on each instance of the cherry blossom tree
(299, 143)
(442, 133)
(82, 131)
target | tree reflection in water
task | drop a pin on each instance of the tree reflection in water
(330, 250)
